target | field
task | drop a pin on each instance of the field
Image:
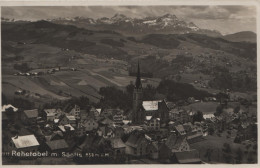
(90, 76)
(205, 107)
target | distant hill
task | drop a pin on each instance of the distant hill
(246, 36)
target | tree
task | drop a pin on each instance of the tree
(219, 110)
(208, 154)
(227, 152)
(178, 78)
(130, 88)
(237, 139)
(250, 158)
(236, 109)
(239, 156)
(211, 130)
(198, 116)
(226, 148)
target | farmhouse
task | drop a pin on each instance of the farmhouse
(27, 143)
(173, 144)
(90, 124)
(51, 114)
(29, 116)
(136, 144)
(58, 146)
(118, 147)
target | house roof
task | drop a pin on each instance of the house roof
(71, 118)
(99, 110)
(174, 142)
(4, 107)
(62, 127)
(126, 122)
(155, 145)
(149, 117)
(106, 121)
(198, 134)
(180, 129)
(170, 105)
(135, 139)
(25, 141)
(50, 112)
(57, 144)
(188, 156)
(148, 137)
(151, 105)
(55, 133)
(177, 110)
(67, 108)
(208, 116)
(117, 143)
(31, 113)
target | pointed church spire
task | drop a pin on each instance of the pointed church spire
(138, 84)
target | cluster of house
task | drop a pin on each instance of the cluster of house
(47, 71)
(28, 74)
(244, 121)
(55, 130)
(157, 130)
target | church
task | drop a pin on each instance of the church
(145, 110)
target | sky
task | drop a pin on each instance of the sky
(226, 19)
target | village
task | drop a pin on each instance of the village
(155, 132)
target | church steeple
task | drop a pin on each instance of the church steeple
(138, 115)
(138, 84)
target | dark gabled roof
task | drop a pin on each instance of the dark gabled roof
(180, 129)
(57, 144)
(117, 143)
(31, 113)
(135, 139)
(185, 157)
(106, 121)
(97, 141)
(170, 105)
(68, 107)
(87, 143)
(154, 145)
(174, 142)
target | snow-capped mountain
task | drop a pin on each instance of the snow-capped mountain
(167, 23)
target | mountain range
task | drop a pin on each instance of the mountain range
(168, 24)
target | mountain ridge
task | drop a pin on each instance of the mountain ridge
(165, 24)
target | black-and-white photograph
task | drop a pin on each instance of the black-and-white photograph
(173, 84)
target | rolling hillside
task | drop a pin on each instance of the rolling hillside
(104, 57)
(245, 36)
